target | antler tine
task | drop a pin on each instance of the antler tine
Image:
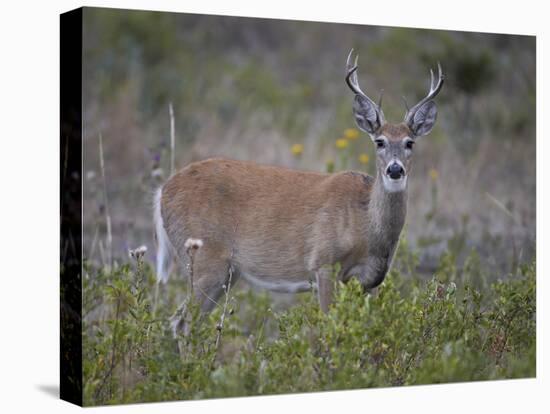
(434, 90)
(351, 78)
(352, 85)
(354, 77)
(348, 66)
(440, 79)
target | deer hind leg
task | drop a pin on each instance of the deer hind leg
(210, 275)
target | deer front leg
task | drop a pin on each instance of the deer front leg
(325, 287)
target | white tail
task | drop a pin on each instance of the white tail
(164, 247)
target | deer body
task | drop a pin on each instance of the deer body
(283, 229)
(277, 227)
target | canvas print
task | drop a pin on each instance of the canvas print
(275, 206)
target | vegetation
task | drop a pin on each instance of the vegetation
(459, 302)
(412, 331)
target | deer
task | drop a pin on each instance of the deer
(283, 229)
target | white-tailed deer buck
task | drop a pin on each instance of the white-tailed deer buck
(283, 229)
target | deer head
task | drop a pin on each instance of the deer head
(394, 142)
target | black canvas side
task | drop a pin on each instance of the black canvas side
(71, 206)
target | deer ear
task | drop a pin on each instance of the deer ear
(424, 119)
(366, 114)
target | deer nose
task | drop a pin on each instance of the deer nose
(395, 171)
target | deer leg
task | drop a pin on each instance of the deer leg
(210, 275)
(207, 292)
(179, 320)
(325, 287)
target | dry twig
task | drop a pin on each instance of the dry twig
(172, 139)
(109, 240)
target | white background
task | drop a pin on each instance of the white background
(29, 227)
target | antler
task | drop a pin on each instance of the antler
(351, 80)
(434, 90)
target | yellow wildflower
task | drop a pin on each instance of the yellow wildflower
(364, 158)
(351, 133)
(341, 143)
(434, 175)
(297, 149)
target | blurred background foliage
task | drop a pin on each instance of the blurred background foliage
(273, 91)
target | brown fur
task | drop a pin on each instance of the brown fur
(395, 132)
(280, 226)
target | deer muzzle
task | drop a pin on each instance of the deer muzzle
(395, 170)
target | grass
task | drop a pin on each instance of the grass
(413, 331)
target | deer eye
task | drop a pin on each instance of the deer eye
(380, 143)
(409, 144)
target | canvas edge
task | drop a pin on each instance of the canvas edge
(70, 381)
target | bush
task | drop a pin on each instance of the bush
(409, 332)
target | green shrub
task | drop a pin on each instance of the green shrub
(409, 332)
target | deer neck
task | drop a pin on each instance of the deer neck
(387, 212)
